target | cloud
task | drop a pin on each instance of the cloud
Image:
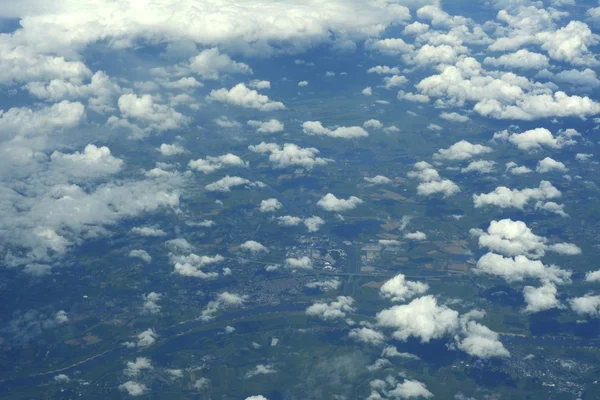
(288, 220)
(504, 197)
(373, 123)
(481, 167)
(512, 238)
(454, 117)
(259, 84)
(254, 247)
(549, 164)
(148, 231)
(270, 126)
(367, 335)
(515, 169)
(431, 182)
(314, 223)
(367, 91)
(394, 81)
(261, 369)
(418, 235)
(588, 305)
(570, 43)
(337, 309)
(222, 300)
(227, 123)
(389, 46)
(134, 368)
(142, 255)
(462, 150)
(378, 180)
(399, 289)
(168, 150)
(349, 132)
(211, 63)
(150, 303)
(522, 59)
(535, 139)
(211, 164)
(192, 264)
(392, 389)
(592, 276)
(519, 268)
(421, 318)
(332, 284)
(302, 83)
(391, 351)
(541, 298)
(298, 263)
(383, 70)
(241, 96)
(226, 183)
(290, 155)
(259, 397)
(331, 203)
(270, 205)
(478, 340)
(134, 388)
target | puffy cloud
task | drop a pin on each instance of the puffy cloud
(141, 254)
(520, 268)
(332, 284)
(431, 182)
(62, 378)
(462, 150)
(227, 123)
(416, 28)
(290, 155)
(298, 263)
(211, 63)
(383, 70)
(350, 132)
(481, 167)
(478, 340)
(191, 265)
(391, 351)
(240, 95)
(592, 276)
(413, 97)
(454, 117)
(223, 300)
(522, 59)
(134, 368)
(211, 164)
(399, 289)
(534, 139)
(270, 126)
(26, 122)
(148, 231)
(226, 183)
(150, 303)
(337, 309)
(259, 84)
(134, 388)
(314, 223)
(540, 299)
(254, 247)
(270, 205)
(170, 149)
(515, 169)
(288, 220)
(378, 180)
(513, 238)
(418, 235)
(261, 369)
(421, 318)
(549, 164)
(504, 197)
(551, 207)
(302, 83)
(393, 81)
(331, 203)
(373, 123)
(259, 397)
(570, 43)
(583, 156)
(367, 91)
(588, 305)
(389, 46)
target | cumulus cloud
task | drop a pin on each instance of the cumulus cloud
(367, 335)
(378, 180)
(168, 150)
(314, 223)
(391, 351)
(478, 340)
(431, 182)
(407, 389)
(504, 197)
(259, 84)
(462, 150)
(400, 289)
(331, 203)
(151, 303)
(588, 305)
(344, 132)
(212, 164)
(227, 123)
(141, 254)
(134, 388)
(535, 139)
(261, 369)
(298, 263)
(222, 300)
(418, 235)
(454, 117)
(134, 368)
(148, 231)
(592, 276)
(290, 155)
(520, 268)
(337, 309)
(269, 126)
(302, 83)
(515, 169)
(192, 264)
(522, 59)
(241, 96)
(270, 205)
(226, 183)
(211, 64)
(288, 220)
(480, 167)
(549, 164)
(254, 247)
(383, 70)
(541, 298)
(332, 284)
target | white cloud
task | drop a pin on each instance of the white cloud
(302, 83)
(389, 46)
(151, 303)
(416, 28)
(378, 180)
(134, 368)
(583, 156)
(211, 64)
(261, 369)
(270, 205)
(435, 127)
(393, 81)
(298, 263)
(588, 305)
(383, 70)
(148, 231)
(454, 117)
(515, 169)
(254, 247)
(431, 182)
(349, 132)
(240, 95)
(367, 91)
(418, 235)
(541, 298)
(227, 123)
(141, 254)
(592, 276)
(413, 97)
(408, 389)
(462, 150)
(270, 126)
(367, 335)
(290, 155)
(570, 43)
(259, 84)
(478, 340)
(520, 268)
(549, 164)
(481, 167)
(259, 397)
(226, 183)
(534, 139)
(332, 284)
(170, 149)
(373, 123)
(192, 264)
(399, 289)
(134, 388)
(331, 203)
(314, 223)
(522, 59)
(504, 197)
(392, 351)
(223, 300)
(337, 309)
(288, 220)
